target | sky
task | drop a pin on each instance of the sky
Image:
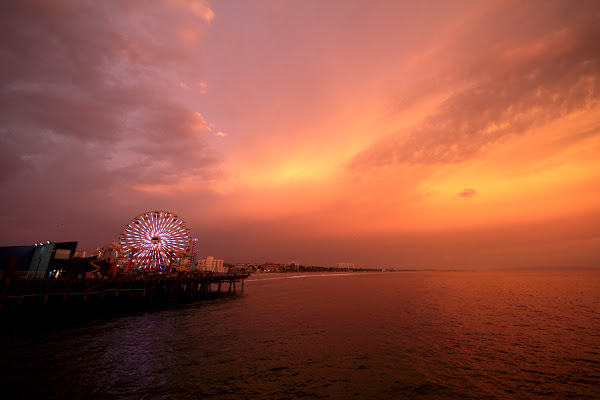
(431, 134)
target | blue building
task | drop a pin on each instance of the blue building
(38, 260)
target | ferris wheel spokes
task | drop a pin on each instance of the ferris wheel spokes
(153, 240)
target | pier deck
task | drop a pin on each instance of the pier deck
(40, 294)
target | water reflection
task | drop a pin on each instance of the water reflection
(408, 335)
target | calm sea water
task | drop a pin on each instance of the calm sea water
(409, 335)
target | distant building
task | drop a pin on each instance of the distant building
(241, 268)
(271, 267)
(210, 264)
(345, 265)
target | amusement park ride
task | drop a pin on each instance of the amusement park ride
(127, 272)
(155, 241)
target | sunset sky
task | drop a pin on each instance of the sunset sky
(393, 133)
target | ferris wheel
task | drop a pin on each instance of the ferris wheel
(154, 239)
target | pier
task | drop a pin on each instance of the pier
(21, 295)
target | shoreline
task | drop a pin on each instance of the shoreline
(260, 276)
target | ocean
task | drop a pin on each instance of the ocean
(397, 335)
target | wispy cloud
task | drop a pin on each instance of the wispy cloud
(515, 86)
(199, 8)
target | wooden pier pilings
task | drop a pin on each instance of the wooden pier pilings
(96, 293)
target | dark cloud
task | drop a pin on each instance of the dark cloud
(10, 162)
(511, 85)
(94, 71)
(87, 106)
(467, 193)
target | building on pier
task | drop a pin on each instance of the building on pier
(212, 265)
(39, 259)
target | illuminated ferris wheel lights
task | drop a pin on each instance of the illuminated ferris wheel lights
(154, 238)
